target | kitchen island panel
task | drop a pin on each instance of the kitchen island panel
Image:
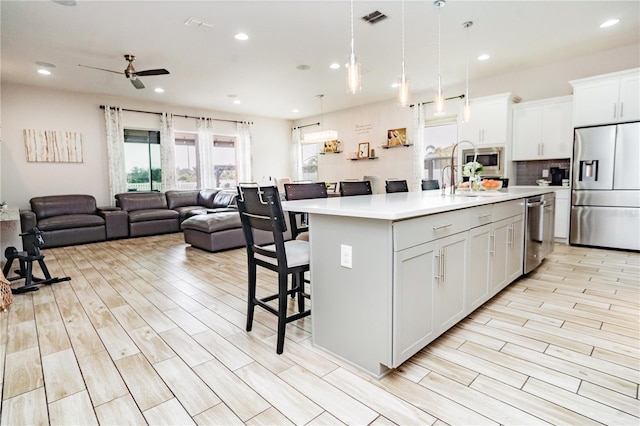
(352, 307)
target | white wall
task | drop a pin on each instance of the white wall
(28, 107)
(529, 84)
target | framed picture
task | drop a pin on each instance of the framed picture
(396, 137)
(331, 146)
(363, 150)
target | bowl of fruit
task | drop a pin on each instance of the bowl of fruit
(491, 184)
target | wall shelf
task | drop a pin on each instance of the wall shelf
(330, 152)
(396, 146)
(366, 158)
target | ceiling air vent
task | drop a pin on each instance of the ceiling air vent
(374, 17)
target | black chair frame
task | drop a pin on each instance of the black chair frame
(260, 208)
(350, 188)
(302, 191)
(396, 186)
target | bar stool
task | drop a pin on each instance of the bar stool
(260, 209)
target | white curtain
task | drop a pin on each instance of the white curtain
(167, 152)
(206, 173)
(243, 152)
(419, 116)
(296, 155)
(115, 151)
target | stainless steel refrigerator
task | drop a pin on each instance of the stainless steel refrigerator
(605, 199)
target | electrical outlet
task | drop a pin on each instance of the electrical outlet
(345, 256)
(545, 173)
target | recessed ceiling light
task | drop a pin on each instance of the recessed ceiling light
(241, 36)
(334, 66)
(395, 85)
(158, 90)
(295, 110)
(609, 23)
(237, 102)
(44, 71)
(483, 57)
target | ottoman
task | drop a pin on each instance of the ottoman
(218, 231)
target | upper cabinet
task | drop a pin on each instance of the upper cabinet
(489, 123)
(542, 130)
(606, 99)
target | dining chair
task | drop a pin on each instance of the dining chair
(302, 191)
(260, 209)
(396, 186)
(430, 184)
(349, 188)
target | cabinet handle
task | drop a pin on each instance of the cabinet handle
(437, 228)
(437, 265)
(510, 235)
(621, 109)
(482, 216)
(442, 263)
(492, 243)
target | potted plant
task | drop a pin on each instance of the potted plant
(3, 205)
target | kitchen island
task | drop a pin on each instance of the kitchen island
(391, 272)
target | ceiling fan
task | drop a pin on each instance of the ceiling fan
(131, 73)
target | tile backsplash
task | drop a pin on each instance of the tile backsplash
(527, 172)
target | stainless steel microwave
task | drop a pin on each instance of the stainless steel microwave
(492, 160)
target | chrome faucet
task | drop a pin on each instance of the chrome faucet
(452, 180)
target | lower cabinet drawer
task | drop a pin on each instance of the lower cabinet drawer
(412, 232)
(508, 209)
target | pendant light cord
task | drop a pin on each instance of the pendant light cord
(352, 43)
(403, 37)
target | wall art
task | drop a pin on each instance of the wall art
(53, 146)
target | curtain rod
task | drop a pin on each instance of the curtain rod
(430, 102)
(305, 125)
(176, 115)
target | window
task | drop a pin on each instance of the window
(224, 161)
(438, 141)
(186, 161)
(310, 162)
(142, 160)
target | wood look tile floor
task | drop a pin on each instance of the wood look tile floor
(150, 330)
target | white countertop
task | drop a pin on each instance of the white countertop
(405, 205)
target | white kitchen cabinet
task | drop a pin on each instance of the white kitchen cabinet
(542, 129)
(489, 123)
(449, 291)
(413, 299)
(480, 260)
(429, 294)
(495, 252)
(606, 99)
(563, 208)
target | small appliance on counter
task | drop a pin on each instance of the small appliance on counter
(557, 175)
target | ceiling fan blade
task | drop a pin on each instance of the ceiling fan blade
(159, 71)
(100, 69)
(136, 83)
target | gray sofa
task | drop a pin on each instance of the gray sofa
(148, 213)
(71, 219)
(196, 202)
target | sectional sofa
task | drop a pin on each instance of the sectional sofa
(209, 218)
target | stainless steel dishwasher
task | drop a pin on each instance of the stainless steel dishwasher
(538, 239)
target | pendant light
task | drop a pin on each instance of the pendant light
(403, 89)
(354, 84)
(322, 135)
(466, 112)
(439, 99)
